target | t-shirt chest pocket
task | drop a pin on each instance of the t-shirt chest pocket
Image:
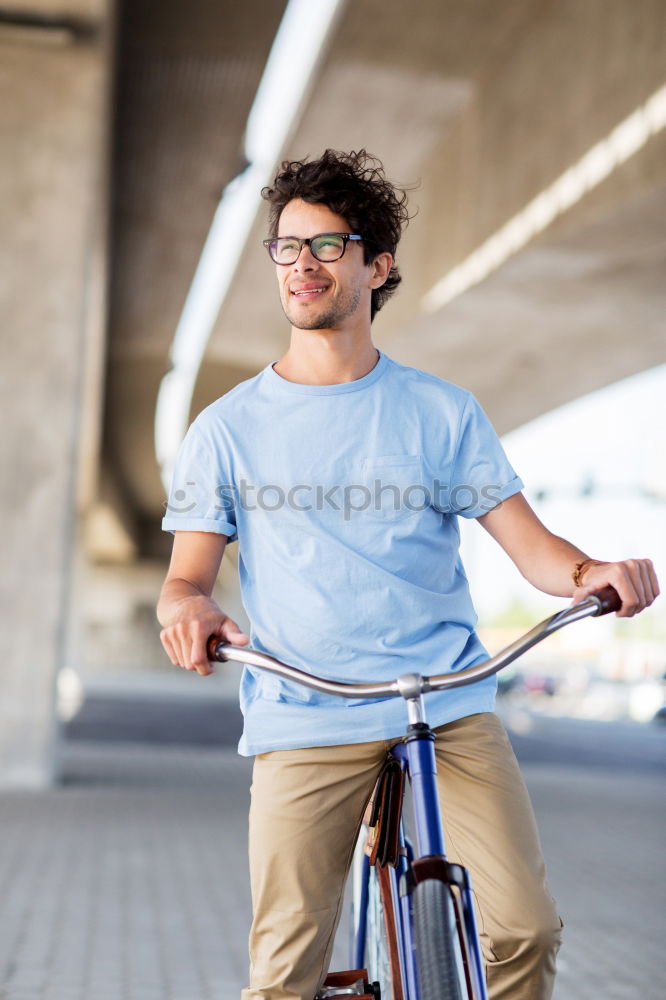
(394, 486)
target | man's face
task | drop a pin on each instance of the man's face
(317, 296)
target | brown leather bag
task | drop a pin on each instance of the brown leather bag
(385, 814)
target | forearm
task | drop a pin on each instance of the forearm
(550, 562)
(186, 610)
(187, 590)
(546, 560)
(553, 565)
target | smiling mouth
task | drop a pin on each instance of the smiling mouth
(308, 293)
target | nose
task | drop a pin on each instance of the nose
(306, 261)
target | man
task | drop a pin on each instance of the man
(342, 474)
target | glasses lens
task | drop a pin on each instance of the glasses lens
(327, 247)
(284, 250)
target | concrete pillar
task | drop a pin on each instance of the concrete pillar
(53, 197)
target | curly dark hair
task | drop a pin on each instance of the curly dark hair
(354, 186)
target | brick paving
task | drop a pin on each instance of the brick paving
(129, 882)
(604, 846)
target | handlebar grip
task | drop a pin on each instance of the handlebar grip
(211, 647)
(608, 600)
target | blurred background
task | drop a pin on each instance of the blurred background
(134, 291)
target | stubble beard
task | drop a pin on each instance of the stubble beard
(329, 317)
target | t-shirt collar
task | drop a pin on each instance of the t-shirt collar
(280, 384)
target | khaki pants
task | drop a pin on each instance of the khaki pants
(306, 810)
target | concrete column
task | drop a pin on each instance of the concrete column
(54, 137)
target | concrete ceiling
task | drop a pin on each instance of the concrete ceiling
(479, 106)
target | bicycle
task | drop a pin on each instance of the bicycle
(415, 935)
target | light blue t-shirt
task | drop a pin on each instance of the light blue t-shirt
(345, 500)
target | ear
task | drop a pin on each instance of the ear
(379, 269)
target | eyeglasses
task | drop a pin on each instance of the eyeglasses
(325, 247)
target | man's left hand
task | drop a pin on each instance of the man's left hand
(635, 581)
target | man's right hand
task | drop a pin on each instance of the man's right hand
(193, 621)
(186, 611)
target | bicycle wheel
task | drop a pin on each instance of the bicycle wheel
(436, 943)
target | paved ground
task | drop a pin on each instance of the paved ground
(129, 882)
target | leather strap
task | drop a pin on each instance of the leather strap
(391, 935)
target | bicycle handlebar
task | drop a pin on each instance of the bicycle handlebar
(601, 603)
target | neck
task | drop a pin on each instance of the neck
(326, 357)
